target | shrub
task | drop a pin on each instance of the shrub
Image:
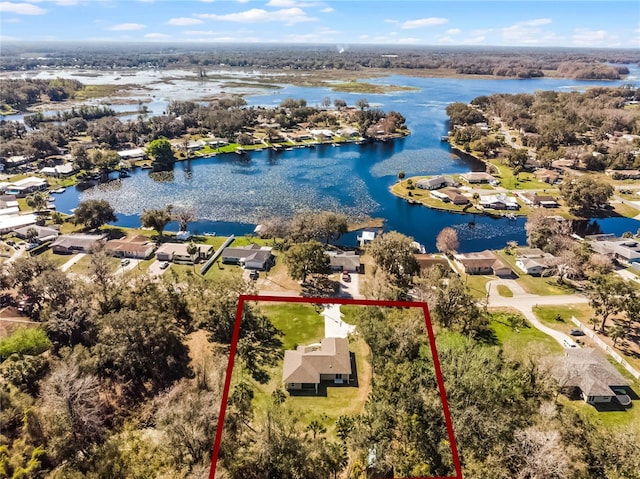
(32, 341)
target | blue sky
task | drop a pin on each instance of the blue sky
(600, 24)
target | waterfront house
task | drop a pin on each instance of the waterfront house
(177, 253)
(479, 177)
(137, 246)
(484, 262)
(625, 249)
(499, 202)
(586, 373)
(534, 199)
(8, 201)
(450, 195)
(58, 171)
(431, 183)
(77, 243)
(133, 154)
(344, 261)
(249, 257)
(25, 186)
(534, 261)
(428, 261)
(12, 221)
(307, 366)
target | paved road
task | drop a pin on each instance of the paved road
(524, 302)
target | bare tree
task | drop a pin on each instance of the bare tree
(447, 241)
(539, 454)
(183, 216)
(72, 411)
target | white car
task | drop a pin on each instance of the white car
(125, 262)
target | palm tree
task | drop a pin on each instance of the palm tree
(617, 332)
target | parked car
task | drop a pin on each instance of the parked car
(567, 343)
(125, 262)
(254, 275)
(164, 265)
(346, 277)
(576, 332)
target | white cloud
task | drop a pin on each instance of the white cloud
(184, 21)
(328, 10)
(21, 8)
(281, 3)
(408, 41)
(593, 38)
(474, 40)
(127, 26)
(529, 33)
(424, 22)
(453, 31)
(242, 1)
(157, 36)
(536, 22)
(288, 16)
(390, 20)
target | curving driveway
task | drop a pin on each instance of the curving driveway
(524, 302)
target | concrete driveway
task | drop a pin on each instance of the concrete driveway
(351, 289)
(156, 270)
(524, 302)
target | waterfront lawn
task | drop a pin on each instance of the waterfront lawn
(626, 210)
(524, 181)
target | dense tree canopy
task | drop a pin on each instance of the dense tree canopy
(94, 213)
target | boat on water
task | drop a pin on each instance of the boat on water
(59, 190)
(510, 216)
(146, 166)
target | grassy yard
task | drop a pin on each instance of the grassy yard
(301, 324)
(504, 291)
(82, 266)
(546, 286)
(523, 340)
(624, 209)
(547, 315)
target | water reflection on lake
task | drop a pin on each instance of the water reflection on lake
(231, 193)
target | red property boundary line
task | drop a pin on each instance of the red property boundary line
(340, 301)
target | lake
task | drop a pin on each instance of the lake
(232, 193)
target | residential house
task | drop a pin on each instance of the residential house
(431, 183)
(585, 372)
(9, 204)
(12, 221)
(216, 142)
(249, 257)
(25, 186)
(16, 160)
(485, 262)
(499, 202)
(428, 261)
(349, 133)
(623, 174)
(625, 249)
(177, 253)
(436, 182)
(44, 233)
(344, 261)
(479, 177)
(534, 261)
(133, 154)
(534, 199)
(138, 247)
(307, 366)
(77, 243)
(547, 176)
(450, 195)
(58, 171)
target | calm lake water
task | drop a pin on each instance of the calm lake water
(231, 194)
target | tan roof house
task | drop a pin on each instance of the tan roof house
(177, 252)
(428, 261)
(484, 262)
(548, 176)
(137, 246)
(307, 366)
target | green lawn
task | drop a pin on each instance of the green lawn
(504, 291)
(547, 286)
(300, 324)
(522, 340)
(57, 259)
(477, 284)
(547, 315)
(82, 266)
